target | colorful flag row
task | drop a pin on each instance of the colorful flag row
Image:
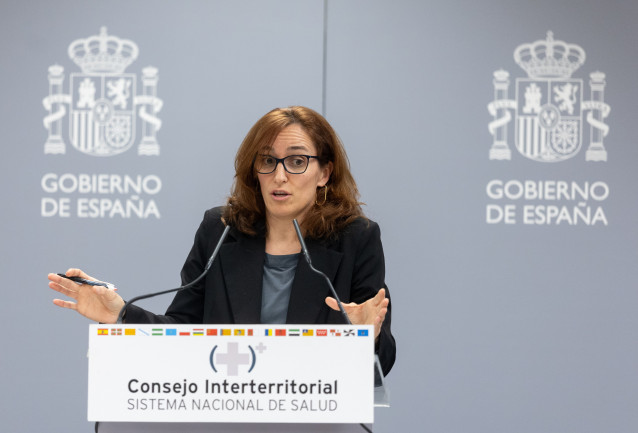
(225, 332)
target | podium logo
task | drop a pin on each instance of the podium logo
(102, 100)
(233, 359)
(549, 106)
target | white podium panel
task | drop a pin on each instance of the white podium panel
(231, 374)
(192, 427)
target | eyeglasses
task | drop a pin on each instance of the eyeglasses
(293, 164)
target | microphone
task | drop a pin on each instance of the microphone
(186, 286)
(378, 371)
(304, 250)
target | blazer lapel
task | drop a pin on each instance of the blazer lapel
(242, 265)
(309, 289)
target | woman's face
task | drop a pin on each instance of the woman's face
(288, 196)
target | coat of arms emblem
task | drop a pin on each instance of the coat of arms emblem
(549, 106)
(102, 100)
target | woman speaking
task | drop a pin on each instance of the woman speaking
(291, 165)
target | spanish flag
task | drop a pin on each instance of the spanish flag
(102, 331)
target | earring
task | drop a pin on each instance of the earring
(325, 196)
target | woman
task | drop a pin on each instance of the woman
(290, 165)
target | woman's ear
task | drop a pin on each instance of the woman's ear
(326, 171)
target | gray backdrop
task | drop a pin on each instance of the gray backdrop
(520, 327)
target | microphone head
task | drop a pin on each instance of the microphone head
(304, 249)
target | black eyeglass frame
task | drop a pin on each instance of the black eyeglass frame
(281, 160)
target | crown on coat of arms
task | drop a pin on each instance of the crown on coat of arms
(549, 58)
(103, 53)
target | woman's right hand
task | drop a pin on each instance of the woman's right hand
(95, 302)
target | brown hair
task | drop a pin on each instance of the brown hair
(327, 217)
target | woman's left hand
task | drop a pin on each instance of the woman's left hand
(371, 312)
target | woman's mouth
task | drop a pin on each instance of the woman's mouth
(280, 195)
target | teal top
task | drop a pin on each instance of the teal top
(279, 272)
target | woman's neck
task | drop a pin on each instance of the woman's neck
(282, 238)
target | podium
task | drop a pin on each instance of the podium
(221, 378)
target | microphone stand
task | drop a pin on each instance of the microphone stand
(379, 383)
(186, 286)
(307, 256)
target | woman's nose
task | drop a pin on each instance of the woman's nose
(280, 173)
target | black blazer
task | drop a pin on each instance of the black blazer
(231, 291)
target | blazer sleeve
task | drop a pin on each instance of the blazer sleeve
(368, 278)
